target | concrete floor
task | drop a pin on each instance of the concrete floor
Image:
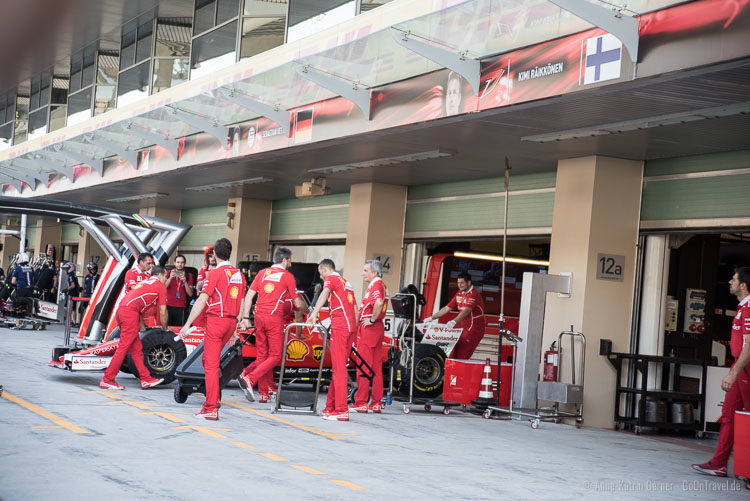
(137, 444)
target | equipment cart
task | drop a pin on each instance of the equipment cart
(555, 391)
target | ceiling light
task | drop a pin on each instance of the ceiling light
(508, 259)
(382, 162)
(133, 198)
(644, 123)
(230, 184)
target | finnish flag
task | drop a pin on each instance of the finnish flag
(602, 59)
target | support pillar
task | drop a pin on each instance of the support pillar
(377, 213)
(248, 228)
(47, 232)
(10, 243)
(596, 211)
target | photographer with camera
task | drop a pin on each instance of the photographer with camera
(180, 287)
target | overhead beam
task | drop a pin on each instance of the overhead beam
(16, 183)
(20, 173)
(113, 147)
(39, 168)
(200, 123)
(611, 20)
(95, 163)
(273, 113)
(353, 91)
(171, 145)
(467, 67)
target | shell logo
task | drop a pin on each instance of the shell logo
(296, 350)
(234, 292)
(350, 297)
(268, 288)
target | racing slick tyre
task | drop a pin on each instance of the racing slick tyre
(429, 371)
(161, 354)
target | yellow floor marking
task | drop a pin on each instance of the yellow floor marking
(204, 429)
(334, 436)
(107, 394)
(45, 414)
(46, 427)
(307, 469)
(349, 485)
(242, 445)
(137, 405)
(272, 457)
(166, 415)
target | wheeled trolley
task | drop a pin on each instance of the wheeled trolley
(555, 391)
(300, 398)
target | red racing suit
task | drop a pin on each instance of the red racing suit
(275, 286)
(738, 396)
(343, 331)
(225, 287)
(200, 320)
(473, 325)
(141, 298)
(133, 277)
(370, 343)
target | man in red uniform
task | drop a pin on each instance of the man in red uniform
(470, 317)
(737, 382)
(180, 287)
(209, 263)
(275, 286)
(344, 316)
(222, 296)
(370, 338)
(129, 316)
(140, 271)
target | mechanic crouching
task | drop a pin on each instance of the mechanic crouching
(130, 313)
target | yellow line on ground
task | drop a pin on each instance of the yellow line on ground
(133, 403)
(307, 469)
(349, 485)
(107, 394)
(166, 415)
(242, 445)
(333, 436)
(204, 429)
(273, 457)
(45, 414)
(54, 426)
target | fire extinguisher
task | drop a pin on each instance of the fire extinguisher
(551, 358)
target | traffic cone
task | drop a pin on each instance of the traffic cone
(486, 397)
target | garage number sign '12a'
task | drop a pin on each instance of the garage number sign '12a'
(610, 267)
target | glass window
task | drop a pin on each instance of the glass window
(89, 61)
(38, 123)
(34, 104)
(133, 84)
(44, 92)
(371, 4)
(127, 46)
(307, 17)
(21, 126)
(57, 117)
(106, 67)
(260, 34)
(10, 107)
(226, 10)
(6, 136)
(270, 8)
(213, 51)
(59, 93)
(173, 37)
(76, 63)
(145, 30)
(104, 99)
(79, 107)
(205, 15)
(170, 72)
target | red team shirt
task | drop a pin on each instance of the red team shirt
(740, 327)
(341, 301)
(376, 290)
(178, 286)
(225, 286)
(143, 297)
(134, 276)
(469, 299)
(278, 287)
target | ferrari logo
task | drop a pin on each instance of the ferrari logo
(229, 274)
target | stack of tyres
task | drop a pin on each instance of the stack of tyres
(191, 375)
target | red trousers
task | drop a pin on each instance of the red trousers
(341, 346)
(469, 341)
(130, 342)
(736, 399)
(218, 332)
(269, 344)
(370, 349)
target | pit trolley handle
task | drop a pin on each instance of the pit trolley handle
(324, 334)
(573, 334)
